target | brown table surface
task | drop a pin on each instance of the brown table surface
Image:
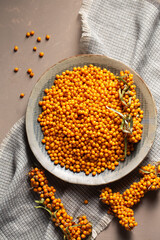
(59, 19)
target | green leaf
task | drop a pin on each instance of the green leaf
(76, 225)
(129, 102)
(125, 90)
(120, 93)
(145, 171)
(122, 124)
(121, 79)
(115, 111)
(131, 123)
(89, 237)
(68, 233)
(45, 209)
(54, 214)
(40, 201)
(125, 146)
(121, 96)
(65, 234)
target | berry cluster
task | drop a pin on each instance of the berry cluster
(48, 201)
(120, 204)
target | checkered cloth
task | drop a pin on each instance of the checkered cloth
(130, 32)
(126, 30)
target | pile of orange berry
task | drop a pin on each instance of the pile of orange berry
(120, 204)
(81, 131)
(48, 201)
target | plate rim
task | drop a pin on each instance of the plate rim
(27, 126)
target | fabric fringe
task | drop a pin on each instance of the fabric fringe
(84, 41)
(104, 222)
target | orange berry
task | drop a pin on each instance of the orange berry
(34, 49)
(31, 74)
(16, 69)
(32, 33)
(47, 37)
(16, 48)
(85, 201)
(21, 95)
(27, 34)
(39, 39)
(29, 70)
(41, 54)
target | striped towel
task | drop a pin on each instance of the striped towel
(111, 28)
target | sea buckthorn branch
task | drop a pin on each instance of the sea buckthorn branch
(120, 204)
(127, 121)
(124, 91)
(71, 229)
(121, 78)
(126, 127)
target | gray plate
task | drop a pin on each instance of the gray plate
(35, 134)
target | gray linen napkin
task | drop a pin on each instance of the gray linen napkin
(111, 28)
(128, 31)
(19, 219)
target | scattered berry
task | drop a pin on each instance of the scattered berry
(39, 39)
(34, 48)
(32, 33)
(41, 54)
(29, 70)
(21, 95)
(16, 48)
(85, 201)
(16, 69)
(47, 37)
(27, 34)
(31, 74)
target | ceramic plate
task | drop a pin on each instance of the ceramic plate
(35, 134)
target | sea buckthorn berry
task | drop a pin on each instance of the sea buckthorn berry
(16, 48)
(34, 49)
(31, 74)
(120, 204)
(158, 169)
(21, 95)
(32, 33)
(27, 34)
(85, 201)
(39, 39)
(29, 70)
(41, 54)
(16, 69)
(47, 37)
(54, 206)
